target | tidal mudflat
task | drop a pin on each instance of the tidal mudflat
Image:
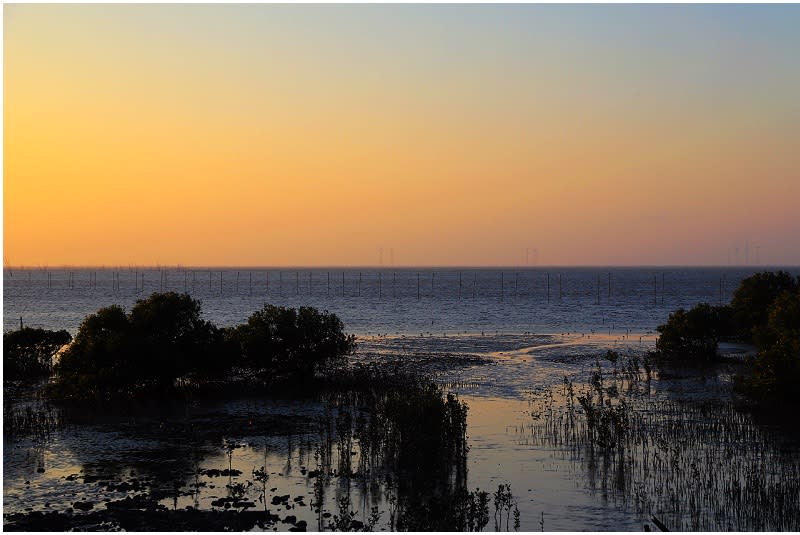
(330, 461)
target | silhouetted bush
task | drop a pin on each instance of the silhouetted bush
(169, 338)
(694, 335)
(99, 357)
(753, 297)
(295, 342)
(776, 369)
(164, 343)
(28, 353)
(765, 309)
(161, 340)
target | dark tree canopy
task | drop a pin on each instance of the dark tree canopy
(753, 297)
(99, 358)
(164, 341)
(292, 341)
(776, 371)
(28, 353)
(693, 335)
(169, 337)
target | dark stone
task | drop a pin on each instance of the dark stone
(83, 506)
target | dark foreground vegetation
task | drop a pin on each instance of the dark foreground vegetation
(764, 311)
(28, 353)
(686, 463)
(163, 346)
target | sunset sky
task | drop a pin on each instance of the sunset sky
(272, 135)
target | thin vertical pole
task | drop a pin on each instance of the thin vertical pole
(394, 285)
(559, 286)
(655, 296)
(380, 285)
(662, 288)
(237, 283)
(548, 286)
(142, 287)
(598, 289)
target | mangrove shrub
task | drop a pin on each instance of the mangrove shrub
(753, 297)
(693, 335)
(28, 353)
(292, 341)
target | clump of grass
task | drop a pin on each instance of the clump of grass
(697, 465)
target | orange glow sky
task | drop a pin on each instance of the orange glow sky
(449, 135)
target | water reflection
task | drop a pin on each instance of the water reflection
(389, 457)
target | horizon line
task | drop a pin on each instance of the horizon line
(188, 267)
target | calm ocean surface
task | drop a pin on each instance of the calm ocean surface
(388, 301)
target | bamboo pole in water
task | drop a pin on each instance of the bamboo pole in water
(655, 296)
(598, 289)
